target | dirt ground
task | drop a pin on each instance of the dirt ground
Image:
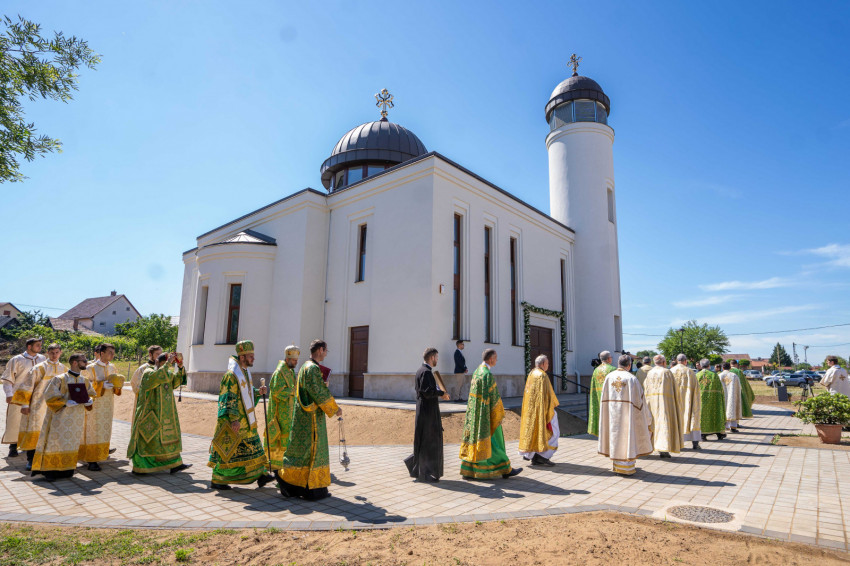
(363, 425)
(813, 442)
(588, 538)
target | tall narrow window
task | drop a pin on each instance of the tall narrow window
(233, 313)
(201, 315)
(361, 257)
(610, 205)
(563, 285)
(488, 335)
(456, 321)
(618, 334)
(514, 340)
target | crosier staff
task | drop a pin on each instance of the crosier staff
(266, 417)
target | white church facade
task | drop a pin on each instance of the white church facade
(408, 249)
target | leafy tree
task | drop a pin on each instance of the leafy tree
(697, 342)
(149, 330)
(780, 356)
(745, 364)
(646, 353)
(802, 365)
(715, 359)
(27, 323)
(841, 361)
(33, 67)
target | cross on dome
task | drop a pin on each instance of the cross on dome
(384, 99)
(573, 62)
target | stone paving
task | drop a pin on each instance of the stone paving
(782, 492)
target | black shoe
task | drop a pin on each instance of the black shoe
(180, 468)
(28, 467)
(112, 450)
(94, 467)
(527, 459)
(696, 445)
(264, 479)
(429, 479)
(734, 430)
(704, 436)
(513, 472)
(539, 460)
(13, 450)
(135, 473)
(219, 486)
(664, 454)
(720, 436)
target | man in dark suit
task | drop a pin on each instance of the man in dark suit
(460, 367)
(426, 462)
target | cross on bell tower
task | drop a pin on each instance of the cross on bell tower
(573, 62)
(384, 99)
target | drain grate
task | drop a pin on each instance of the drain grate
(699, 514)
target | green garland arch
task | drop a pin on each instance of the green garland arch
(527, 309)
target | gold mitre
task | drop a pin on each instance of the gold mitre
(292, 351)
(244, 347)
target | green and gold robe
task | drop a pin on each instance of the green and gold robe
(596, 382)
(306, 462)
(281, 404)
(482, 453)
(155, 442)
(236, 458)
(713, 398)
(747, 394)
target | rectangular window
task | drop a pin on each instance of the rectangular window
(618, 334)
(488, 335)
(233, 313)
(456, 304)
(361, 255)
(514, 337)
(354, 175)
(374, 170)
(201, 318)
(610, 205)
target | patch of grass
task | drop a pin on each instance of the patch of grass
(183, 554)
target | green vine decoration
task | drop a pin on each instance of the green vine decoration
(527, 309)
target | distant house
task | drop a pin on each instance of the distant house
(101, 314)
(8, 323)
(67, 325)
(739, 357)
(10, 310)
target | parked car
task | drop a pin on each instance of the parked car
(798, 379)
(753, 374)
(775, 374)
(812, 373)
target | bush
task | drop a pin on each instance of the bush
(826, 408)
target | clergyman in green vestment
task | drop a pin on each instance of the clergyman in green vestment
(596, 381)
(713, 398)
(236, 452)
(306, 463)
(281, 403)
(482, 453)
(155, 443)
(747, 393)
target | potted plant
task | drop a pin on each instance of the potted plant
(828, 412)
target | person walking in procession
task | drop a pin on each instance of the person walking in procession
(16, 371)
(689, 399)
(732, 390)
(155, 441)
(643, 370)
(482, 453)
(29, 394)
(107, 383)
(154, 352)
(236, 453)
(713, 402)
(596, 381)
(460, 368)
(426, 462)
(747, 394)
(306, 469)
(538, 428)
(69, 397)
(281, 406)
(660, 391)
(625, 423)
(836, 380)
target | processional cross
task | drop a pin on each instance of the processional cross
(573, 62)
(384, 99)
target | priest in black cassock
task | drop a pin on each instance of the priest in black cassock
(426, 462)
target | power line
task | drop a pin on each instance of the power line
(41, 307)
(767, 332)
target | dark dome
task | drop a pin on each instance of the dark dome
(577, 87)
(373, 142)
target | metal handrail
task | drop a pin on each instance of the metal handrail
(565, 380)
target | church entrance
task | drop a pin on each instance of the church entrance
(358, 360)
(541, 343)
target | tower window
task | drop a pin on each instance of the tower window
(514, 339)
(577, 111)
(456, 298)
(488, 335)
(361, 257)
(233, 313)
(611, 205)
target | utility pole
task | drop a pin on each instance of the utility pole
(796, 359)
(806, 354)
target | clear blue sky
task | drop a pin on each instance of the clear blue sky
(731, 156)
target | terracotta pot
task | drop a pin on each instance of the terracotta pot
(829, 433)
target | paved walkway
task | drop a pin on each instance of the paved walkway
(781, 492)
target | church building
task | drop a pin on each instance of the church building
(406, 249)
